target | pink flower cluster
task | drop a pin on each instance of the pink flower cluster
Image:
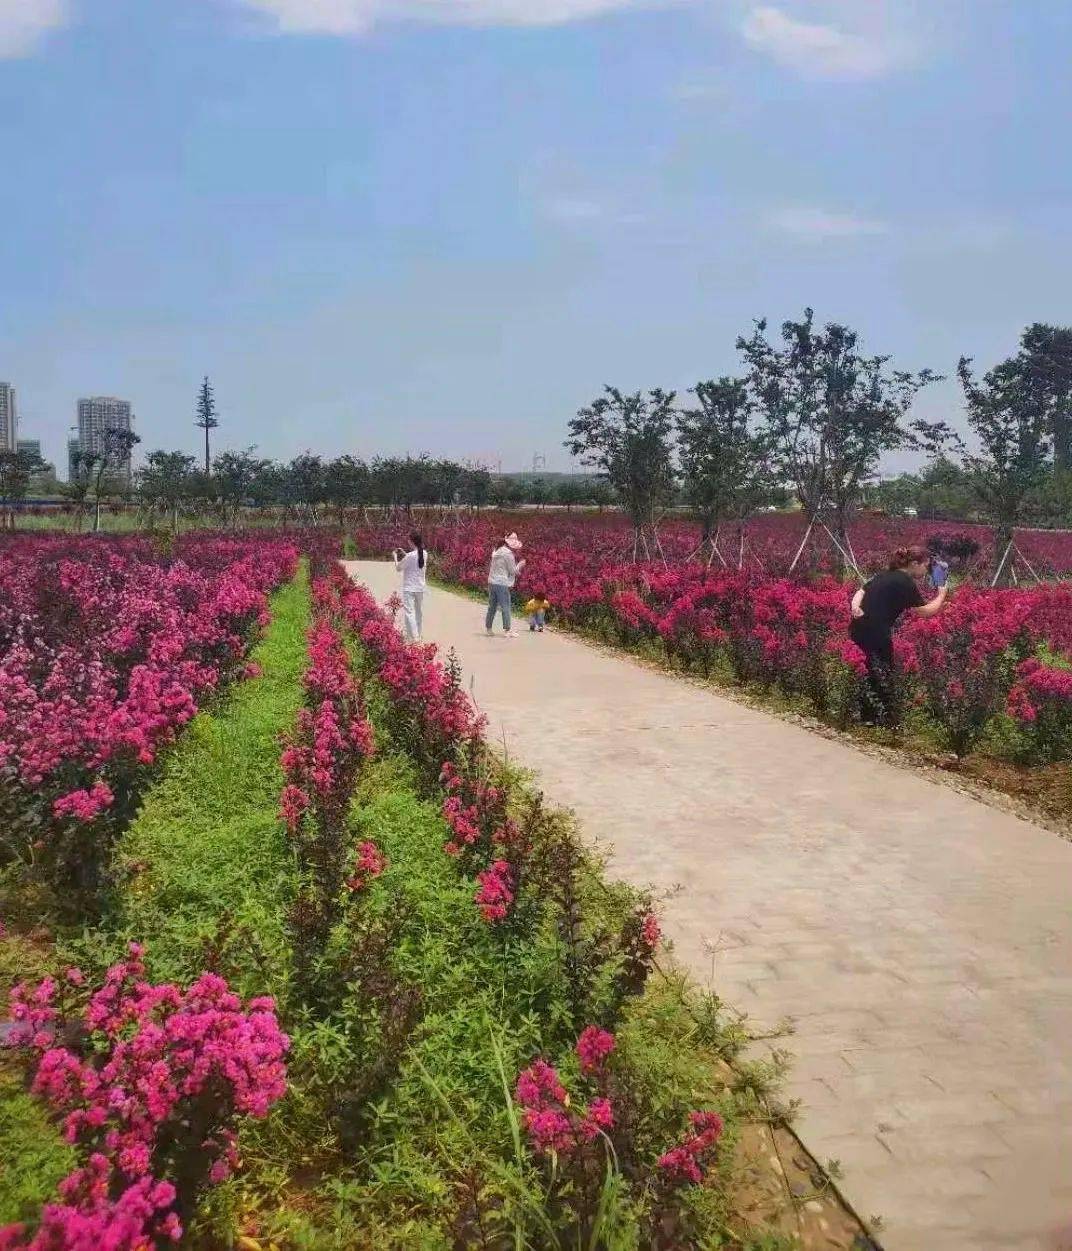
(687, 1162)
(371, 863)
(1040, 701)
(158, 1084)
(332, 736)
(593, 1047)
(106, 651)
(551, 1126)
(495, 894)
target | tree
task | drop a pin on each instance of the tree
(303, 486)
(116, 447)
(1047, 354)
(206, 417)
(233, 482)
(346, 485)
(830, 413)
(570, 492)
(166, 482)
(1011, 415)
(628, 438)
(725, 465)
(16, 469)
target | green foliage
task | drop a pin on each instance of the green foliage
(206, 859)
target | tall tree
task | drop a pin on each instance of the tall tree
(206, 417)
(16, 469)
(628, 438)
(110, 466)
(831, 413)
(166, 482)
(725, 465)
(346, 485)
(1011, 415)
(1047, 355)
(234, 478)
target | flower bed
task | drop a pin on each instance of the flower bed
(106, 651)
(781, 634)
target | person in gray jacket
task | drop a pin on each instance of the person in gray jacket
(501, 578)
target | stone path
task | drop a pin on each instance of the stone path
(920, 940)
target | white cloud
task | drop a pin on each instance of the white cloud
(818, 51)
(817, 224)
(24, 23)
(355, 17)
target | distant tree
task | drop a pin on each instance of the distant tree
(304, 487)
(725, 465)
(1047, 356)
(475, 486)
(346, 485)
(1011, 415)
(16, 470)
(570, 492)
(830, 414)
(109, 467)
(206, 417)
(601, 493)
(166, 483)
(233, 482)
(628, 438)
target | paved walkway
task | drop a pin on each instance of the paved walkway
(921, 941)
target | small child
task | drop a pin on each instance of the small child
(537, 610)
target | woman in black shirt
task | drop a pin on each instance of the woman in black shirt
(876, 608)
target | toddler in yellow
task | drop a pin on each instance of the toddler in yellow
(537, 611)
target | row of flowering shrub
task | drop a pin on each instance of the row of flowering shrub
(960, 668)
(106, 650)
(150, 1083)
(523, 864)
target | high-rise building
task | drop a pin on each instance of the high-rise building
(97, 415)
(9, 418)
(31, 446)
(73, 450)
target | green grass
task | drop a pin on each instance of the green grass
(207, 847)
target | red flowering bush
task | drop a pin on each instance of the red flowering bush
(1040, 702)
(106, 651)
(768, 629)
(321, 760)
(150, 1082)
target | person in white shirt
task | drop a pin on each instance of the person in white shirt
(413, 566)
(501, 578)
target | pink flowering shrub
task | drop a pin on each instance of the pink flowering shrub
(686, 1163)
(742, 613)
(151, 1083)
(1040, 702)
(321, 760)
(106, 652)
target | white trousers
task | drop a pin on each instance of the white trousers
(413, 614)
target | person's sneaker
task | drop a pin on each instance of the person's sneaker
(490, 633)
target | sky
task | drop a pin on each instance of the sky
(442, 225)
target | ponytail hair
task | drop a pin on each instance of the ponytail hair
(902, 557)
(418, 543)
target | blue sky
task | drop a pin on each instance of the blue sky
(390, 225)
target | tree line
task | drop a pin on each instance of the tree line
(813, 415)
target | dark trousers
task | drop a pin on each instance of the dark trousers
(878, 703)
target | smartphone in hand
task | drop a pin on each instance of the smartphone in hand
(939, 573)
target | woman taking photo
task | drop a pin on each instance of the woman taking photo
(413, 566)
(876, 609)
(501, 578)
